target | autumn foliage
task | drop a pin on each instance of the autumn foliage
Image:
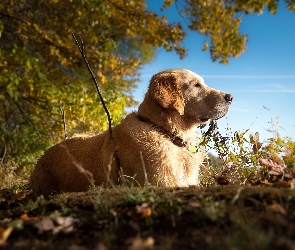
(42, 73)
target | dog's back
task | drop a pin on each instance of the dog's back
(66, 166)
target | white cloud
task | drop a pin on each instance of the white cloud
(268, 91)
(240, 110)
(270, 88)
(251, 76)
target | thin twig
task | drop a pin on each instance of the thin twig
(5, 150)
(144, 170)
(81, 48)
(108, 173)
(64, 121)
(110, 168)
(81, 169)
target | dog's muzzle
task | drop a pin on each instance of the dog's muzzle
(228, 98)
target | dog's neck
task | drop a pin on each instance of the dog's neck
(178, 141)
(167, 120)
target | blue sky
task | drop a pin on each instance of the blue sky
(262, 80)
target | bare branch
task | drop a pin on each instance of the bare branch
(144, 170)
(5, 151)
(81, 169)
(82, 51)
(63, 120)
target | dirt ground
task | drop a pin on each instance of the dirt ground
(224, 217)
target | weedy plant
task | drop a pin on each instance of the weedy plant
(245, 160)
(12, 176)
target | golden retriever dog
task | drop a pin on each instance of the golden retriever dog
(153, 145)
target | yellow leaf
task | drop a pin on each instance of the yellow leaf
(25, 217)
(143, 211)
(193, 149)
(4, 234)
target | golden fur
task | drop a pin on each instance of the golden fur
(150, 145)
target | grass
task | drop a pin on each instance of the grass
(246, 201)
(225, 217)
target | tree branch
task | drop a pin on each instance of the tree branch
(82, 51)
(5, 151)
(22, 112)
(34, 29)
(61, 108)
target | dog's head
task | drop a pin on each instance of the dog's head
(185, 92)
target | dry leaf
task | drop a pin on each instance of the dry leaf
(195, 204)
(65, 224)
(138, 243)
(25, 217)
(19, 195)
(4, 234)
(273, 167)
(282, 184)
(56, 224)
(221, 180)
(44, 225)
(143, 211)
(76, 247)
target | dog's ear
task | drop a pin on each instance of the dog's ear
(164, 88)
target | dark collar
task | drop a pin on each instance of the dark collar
(178, 141)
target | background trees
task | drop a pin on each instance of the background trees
(42, 72)
(43, 75)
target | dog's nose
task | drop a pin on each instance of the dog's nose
(228, 97)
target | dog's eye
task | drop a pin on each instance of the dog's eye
(198, 85)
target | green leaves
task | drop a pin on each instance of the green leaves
(290, 5)
(41, 68)
(219, 21)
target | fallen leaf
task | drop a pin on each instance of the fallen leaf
(4, 234)
(77, 247)
(64, 224)
(221, 180)
(195, 204)
(138, 243)
(282, 184)
(44, 225)
(64, 221)
(101, 246)
(273, 167)
(143, 211)
(16, 224)
(25, 217)
(56, 224)
(19, 195)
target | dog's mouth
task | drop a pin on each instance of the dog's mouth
(205, 119)
(216, 116)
